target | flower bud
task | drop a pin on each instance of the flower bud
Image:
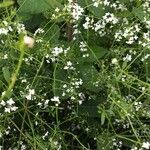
(29, 41)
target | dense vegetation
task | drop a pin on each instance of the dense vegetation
(74, 74)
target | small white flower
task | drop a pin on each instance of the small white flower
(30, 94)
(31, 91)
(28, 97)
(2, 103)
(57, 9)
(39, 30)
(80, 102)
(146, 145)
(21, 28)
(24, 81)
(4, 31)
(69, 66)
(10, 102)
(14, 108)
(56, 51)
(65, 85)
(5, 56)
(1, 147)
(114, 61)
(7, 109)
(5, 23)
(127, 58)
(55, 99)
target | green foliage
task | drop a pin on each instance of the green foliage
(6, 74)
(74, 75)
(37, 6)
(97, 12)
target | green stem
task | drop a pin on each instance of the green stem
(15, 74)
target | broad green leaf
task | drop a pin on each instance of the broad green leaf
(37, 6)
(33, 21)
(98, 12)
(84, 3)
(89, 76)
(52, 33)
(138, 12)
(6, 74)
(96, 52)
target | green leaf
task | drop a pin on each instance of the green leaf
(52, 33)
(6, 74)
(89, 108)
(89, 76)
(96, 52)
(84, 3)
(37, 6)
(98, 12)
(138, 12)
(33, 21)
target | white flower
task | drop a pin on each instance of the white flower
(146, 145)
(5, 23)
(57, 50)
(57, 9)
(28, 41)
(55, 99)
(7, 109)
(21, 28)
(2, 103)
(31, 91)
(14, 108)
(39, 30)
(30, 94)
(4, 31)
(5, 56)
(28, 97)
(114, 61)
(106, 3)
(69, 66)
(1, 147)
(24, 81)
(127, 58)
(75, 10)
(10, 102)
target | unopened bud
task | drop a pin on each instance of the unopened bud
(29, 41)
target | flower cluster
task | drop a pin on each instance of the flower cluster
(95, 83)
(75, 10)
(30, 94)
(83, 49)
(9, 105)
(56, 52)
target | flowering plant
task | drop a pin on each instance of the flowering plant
(75, 75)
